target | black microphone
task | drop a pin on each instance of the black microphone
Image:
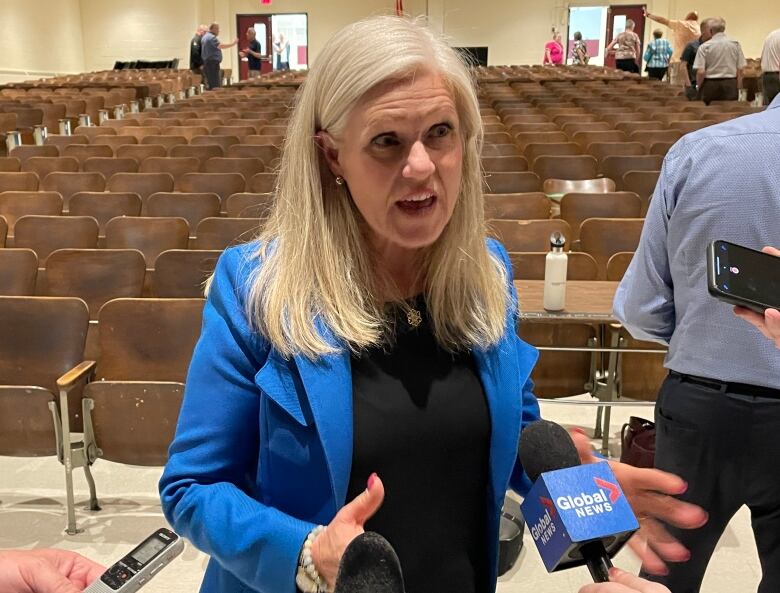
(577, 514)
(369, 565)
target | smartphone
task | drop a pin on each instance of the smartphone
(139, 566)
(742, 276)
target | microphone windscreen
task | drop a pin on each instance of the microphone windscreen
(369, 565)
(546, 446)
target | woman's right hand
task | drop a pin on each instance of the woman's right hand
(328, 548)
(622, 582)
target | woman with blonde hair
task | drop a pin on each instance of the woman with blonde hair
(369, 331)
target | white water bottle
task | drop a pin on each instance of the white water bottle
(555, 267)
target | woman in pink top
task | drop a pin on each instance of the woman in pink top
(553, 51)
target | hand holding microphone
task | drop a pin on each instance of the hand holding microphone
(329, 547)
(651, 493)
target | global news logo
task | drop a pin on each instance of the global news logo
(590, 504)
(585, 504)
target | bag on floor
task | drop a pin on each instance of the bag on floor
(638, 440)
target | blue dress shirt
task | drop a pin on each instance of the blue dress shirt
(718, 183)
(263, 447)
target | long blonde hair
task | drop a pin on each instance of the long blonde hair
(316, 265)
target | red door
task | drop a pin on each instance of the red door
(616, 18)
(262, 26)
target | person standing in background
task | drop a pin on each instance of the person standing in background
(770, 66)
(211, 52)
(196, 61)
(553, 51)
(579, 53)
(253, 53)
(719, 65)
(718, 411)
(657, 55)
(689, 57)
(683, 32)
(284, 52)
(627, 48)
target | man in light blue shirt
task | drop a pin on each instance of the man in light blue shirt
(211, 52)
(718, 411)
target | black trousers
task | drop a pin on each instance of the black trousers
(657, 73)
(213, 74)
(726, 447)
(771, 83)
(719, 89)
(628, 65)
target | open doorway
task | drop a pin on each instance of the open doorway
(599, 25)
(591, 23)
(283, 39)
(616, 24)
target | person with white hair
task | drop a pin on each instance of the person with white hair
(253, 53)
(366, 344)
(719, 65)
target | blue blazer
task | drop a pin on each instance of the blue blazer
(263, 446)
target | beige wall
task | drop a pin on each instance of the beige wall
(40, 38)
(55, 36)
(136, 29)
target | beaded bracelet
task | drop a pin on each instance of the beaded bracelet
(308, 579)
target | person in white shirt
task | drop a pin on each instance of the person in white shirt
(770, 66)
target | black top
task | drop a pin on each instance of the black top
(689, 57)
(195, 60)
(421, 422)
(254, 63)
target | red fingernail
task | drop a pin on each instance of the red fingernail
(371, 480)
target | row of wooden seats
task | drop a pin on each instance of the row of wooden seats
(172, 146)
(599, 237)
(623, 176)
(194, 136)
(530, 265)
(104, 206)
(574, 207)
(109, 165)
(573, 165)
(144, 184)
(149, 235)
(99, 275)
(126, 403)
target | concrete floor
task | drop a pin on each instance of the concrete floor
(32, 515)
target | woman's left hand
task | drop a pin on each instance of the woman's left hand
(652, 493)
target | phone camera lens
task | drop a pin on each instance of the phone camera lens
(723, 248)
(725, 287)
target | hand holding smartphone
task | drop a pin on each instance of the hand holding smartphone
(744, 277)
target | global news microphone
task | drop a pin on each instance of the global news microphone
(370, 329)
